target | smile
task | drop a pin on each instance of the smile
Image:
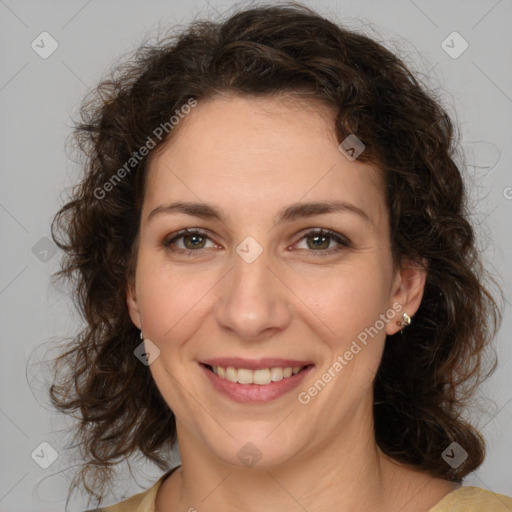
(261, 377)
(258, 385)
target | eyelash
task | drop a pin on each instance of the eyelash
(342, 241)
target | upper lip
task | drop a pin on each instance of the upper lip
(254, 364)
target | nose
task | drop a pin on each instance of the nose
(253, 302)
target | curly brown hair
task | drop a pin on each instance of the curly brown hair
(427, 372)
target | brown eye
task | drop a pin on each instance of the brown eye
(318, 241)
(194, 241)
(188, 240)
(323, 241)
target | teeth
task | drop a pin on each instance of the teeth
(231, 374)
(276, 374)
(262, 376)
(244, 376)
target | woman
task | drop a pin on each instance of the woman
(272, 253)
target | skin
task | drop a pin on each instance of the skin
(252, 157)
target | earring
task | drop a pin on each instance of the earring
(406, 320)
(141, 335)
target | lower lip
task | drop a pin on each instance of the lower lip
(255, 392)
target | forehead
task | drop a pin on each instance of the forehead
(262, 152)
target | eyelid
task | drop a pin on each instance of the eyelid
(342, 241)
(168, 240)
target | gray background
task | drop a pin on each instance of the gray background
(38, 96)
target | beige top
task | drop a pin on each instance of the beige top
(463, 499)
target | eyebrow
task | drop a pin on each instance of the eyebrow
(290, 213)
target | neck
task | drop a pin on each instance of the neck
(349, 470)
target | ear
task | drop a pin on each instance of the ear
(408, 291)
(133, 306)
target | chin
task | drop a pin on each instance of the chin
(255, 448)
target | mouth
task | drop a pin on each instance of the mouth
(265, 382)
(259, 377)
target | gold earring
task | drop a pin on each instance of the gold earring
(406, 320)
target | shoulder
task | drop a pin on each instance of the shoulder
(473, 499)
(142, 502)
(138, 503)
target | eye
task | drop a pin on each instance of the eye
(319, 240)
(323, 241)
(188, 240)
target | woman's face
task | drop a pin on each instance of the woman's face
(256, 285)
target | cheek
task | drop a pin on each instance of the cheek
(336, 303)
(345, 300)
(171, 299)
